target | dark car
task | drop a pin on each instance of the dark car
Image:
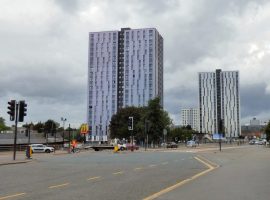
(135, 147)
(171, 145)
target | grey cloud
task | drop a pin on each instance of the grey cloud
(49, 58)
(179, 98)
(254, 100)
(70, 6)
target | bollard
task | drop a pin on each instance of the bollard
(29, 152)
(116, 149)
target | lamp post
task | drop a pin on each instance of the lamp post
(146, 127)
(63, 120)
(100, 134)
(69, 138)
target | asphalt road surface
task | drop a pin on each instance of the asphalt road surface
(96, 175)
(243, 173)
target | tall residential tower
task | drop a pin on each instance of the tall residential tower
(125, 68)
(219, 103)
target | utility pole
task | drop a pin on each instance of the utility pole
(63, 120)
(69, 138)
(145, 132)
(54, 132)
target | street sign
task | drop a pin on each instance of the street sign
(164, 132)
(84, 129)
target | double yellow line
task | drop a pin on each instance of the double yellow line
(211, 166)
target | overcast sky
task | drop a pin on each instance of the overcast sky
(44, 47)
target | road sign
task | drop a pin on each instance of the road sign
(84, 129)
(164, 132)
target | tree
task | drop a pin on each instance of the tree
(3, 126)
(39, 127)
(182, 133)
(119, 126)
(50, 126)
(158, 118)
(267, 131)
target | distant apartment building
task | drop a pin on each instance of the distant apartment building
(219, 103)
(255, 122)
(125, 68)
(255, 128)
(190, 117)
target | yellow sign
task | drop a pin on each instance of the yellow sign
(84, 129)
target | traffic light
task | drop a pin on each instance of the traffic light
(130, 123)
(22, 110)
(11, 109)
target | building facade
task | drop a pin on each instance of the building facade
(219, 103)
(125, 68)
(255, 122)
(190, 117)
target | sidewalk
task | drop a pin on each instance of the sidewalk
(6, 158)
(200, 148)
(243, 175)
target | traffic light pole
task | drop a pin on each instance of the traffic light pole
(15, 137)
(29, 130)
(131, 140)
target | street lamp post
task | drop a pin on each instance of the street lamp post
(100, 133)
(146, 127)
(63, 120)
(69, 138)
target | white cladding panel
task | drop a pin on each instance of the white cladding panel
(140, 68)
(102, 82)
(207, 90)
(230, 103)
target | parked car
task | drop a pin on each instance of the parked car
(129, 146)
(262, 142)
(41, 148)
(172, 145)
(254, 141)
(191, 143)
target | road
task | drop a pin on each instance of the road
(96, 175)
(242, 174)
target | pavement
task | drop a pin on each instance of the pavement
(242, 174)
(6, 158)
